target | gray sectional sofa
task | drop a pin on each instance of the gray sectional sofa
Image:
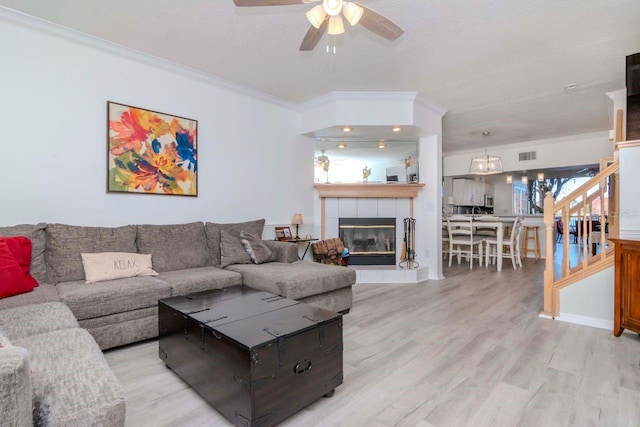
(188, 259)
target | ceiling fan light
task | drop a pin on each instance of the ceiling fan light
(352, 12)
(336, 26)
(316, 16)
(332, 7)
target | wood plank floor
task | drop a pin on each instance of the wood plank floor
(467, 350)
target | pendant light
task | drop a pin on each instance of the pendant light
(485, 165)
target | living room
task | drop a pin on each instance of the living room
(256, 163)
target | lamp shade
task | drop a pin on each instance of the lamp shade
(316, 16)
(352, 12)
(297, 219)
(485, 165)
(336, 26)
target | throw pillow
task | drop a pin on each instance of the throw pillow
(20, 247)
(255, 247)
(13, 279)
(115, 265)
(36, 233)
(212, 230)
(231, 250)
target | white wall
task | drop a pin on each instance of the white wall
(428, 206)
(590, 301)
(550, 153)
(54, 86)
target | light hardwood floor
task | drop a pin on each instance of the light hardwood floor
(467, 350)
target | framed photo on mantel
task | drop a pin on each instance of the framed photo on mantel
(284, 234)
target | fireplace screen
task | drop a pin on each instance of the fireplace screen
(371, 241)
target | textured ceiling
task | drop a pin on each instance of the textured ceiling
(495, 65)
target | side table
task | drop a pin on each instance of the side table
(303, 241)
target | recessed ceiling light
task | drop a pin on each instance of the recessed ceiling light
(346, 129)
(381, 144)
(397, 129)
(342, 145)
(486, 133)
(570, 86)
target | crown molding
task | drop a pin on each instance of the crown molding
(69, 34)
(430, 105)
(369, 96)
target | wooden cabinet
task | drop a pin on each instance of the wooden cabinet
(626, 314)
(467, 192)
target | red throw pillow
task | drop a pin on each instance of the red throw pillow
(20, 247)
(13, 279)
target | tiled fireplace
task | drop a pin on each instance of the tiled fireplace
(388, 202)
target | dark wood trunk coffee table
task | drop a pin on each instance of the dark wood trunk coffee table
(258, 358)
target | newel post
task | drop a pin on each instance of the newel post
(550, 305)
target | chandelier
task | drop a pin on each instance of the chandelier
(486, 165)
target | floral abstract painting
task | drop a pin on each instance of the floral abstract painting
(151, 152)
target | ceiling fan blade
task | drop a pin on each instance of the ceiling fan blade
(251, 3)
(313, 36)
(380, 25)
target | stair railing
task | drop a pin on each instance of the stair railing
(593, 203)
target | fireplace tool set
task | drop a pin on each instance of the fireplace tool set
(408, 254)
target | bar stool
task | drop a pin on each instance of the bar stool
(533, 236)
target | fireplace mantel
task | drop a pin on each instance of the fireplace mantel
(368, 191)
(365, 191)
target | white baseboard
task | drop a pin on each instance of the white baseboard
(587, 321)
(584, 320)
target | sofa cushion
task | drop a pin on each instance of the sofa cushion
(339, 300)
(35, 233)
(29, 320)
(72, 383)
(112, 296)
(185, 282)
(115, 265)
(213, 234)
(255, 247)
(231, 250)
(175, 246)
(16, 395)
(295, 280)
(43, 293)
(282, 251)
(14, 280)
(65, 243)
(125, 332)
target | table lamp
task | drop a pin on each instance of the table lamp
(297, 220)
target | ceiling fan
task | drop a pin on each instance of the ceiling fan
(326, 16)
